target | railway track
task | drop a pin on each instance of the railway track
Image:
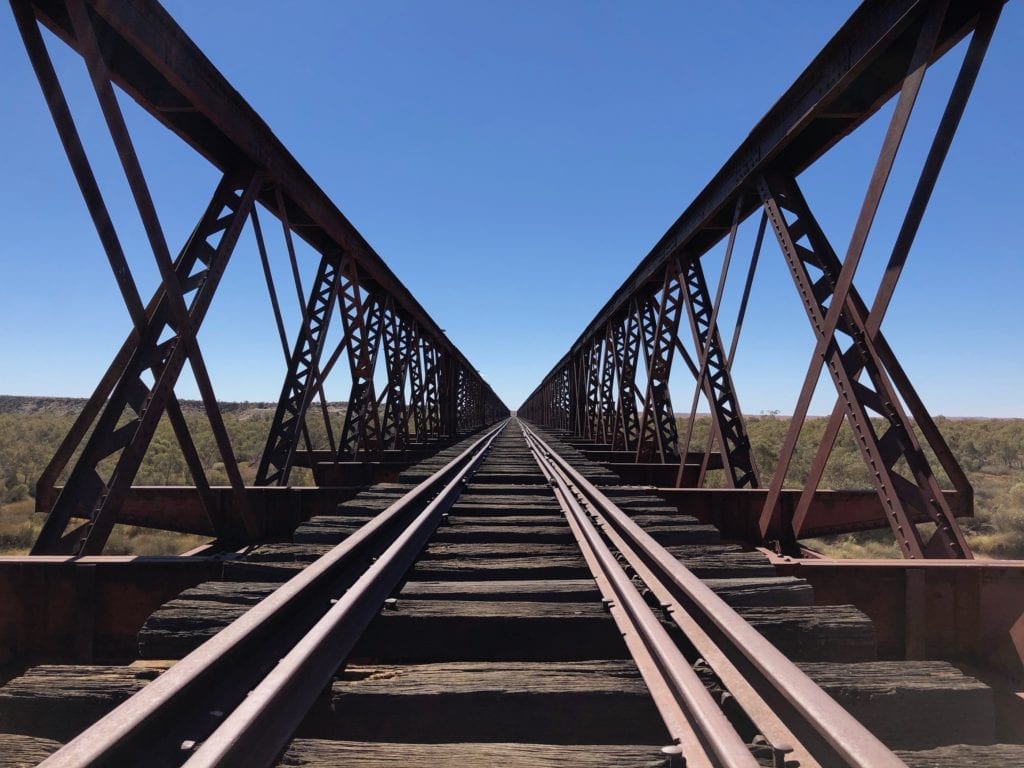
(506, 602)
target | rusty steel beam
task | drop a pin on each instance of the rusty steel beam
(885, 48)
(300, 381)
(606, 388)
(833, 307)
(627, 354)
(967, 610)
(737, 512)
(856, 72)
(897, 443)
(657, 433)
(431, 390)
(901, 247)
(362, 316)
(137, 46)
(415, 417)
(60, 609)
(592, 368)
(160, 67)
(715, 379)
(198, 269)
(396, 355)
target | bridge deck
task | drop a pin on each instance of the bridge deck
(496, 644)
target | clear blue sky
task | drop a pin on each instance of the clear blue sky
(512, 162)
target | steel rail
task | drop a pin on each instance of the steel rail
(771, 726)
(235, 661)
(780, 738)
(256, 732)
(785, 698)
(690, 714)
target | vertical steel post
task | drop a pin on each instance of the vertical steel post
(726, 416)
(658, 439)
(300, 380)
(361, 315)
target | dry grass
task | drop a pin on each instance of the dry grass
(991, 451)
(995, 532)
(20, 525)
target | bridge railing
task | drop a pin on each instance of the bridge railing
(612, 387)
(430, 394)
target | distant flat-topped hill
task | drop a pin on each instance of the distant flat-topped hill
(30, 404)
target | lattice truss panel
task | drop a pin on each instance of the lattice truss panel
(430, 393)
(612, 388)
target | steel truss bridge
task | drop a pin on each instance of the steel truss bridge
(602, 418)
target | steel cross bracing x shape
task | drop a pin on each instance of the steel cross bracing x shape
(594, 408)
(284, 451)
(416, 415)
(317, 375)
(715, 379)
(432, 398)
(419, 383)
(882, 51)
(657, 432)
(845, 84)
(362, 316)
(130, 417)
(45, 487)
(164, 338)
(572, 396)
(926, 183)
(586, 390)
(467, 402)
(606, 394)
(627, 353)
(555, 409)
(137, 47)
(448, 394)
(833, 305)
(300, 381)
(396, 353)
(845, 360)
(577, 396)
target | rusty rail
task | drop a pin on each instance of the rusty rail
(691, 715)
(213, 708)
(795, 716)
